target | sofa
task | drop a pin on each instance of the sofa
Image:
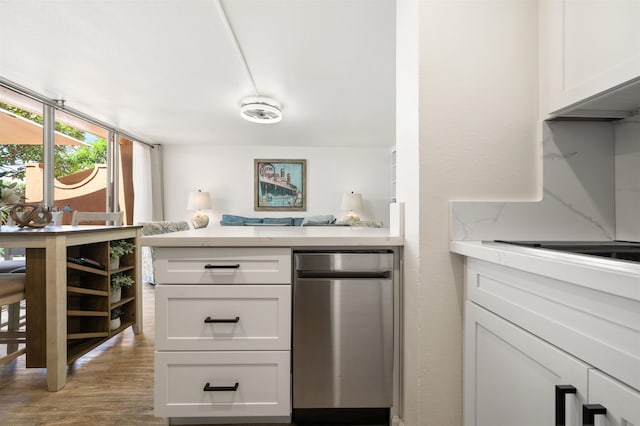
(146, 254)
(319, 220)
(234, 220)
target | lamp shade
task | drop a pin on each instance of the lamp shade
(199, 200)
(352, 201)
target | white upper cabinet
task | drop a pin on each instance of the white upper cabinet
(588, 48)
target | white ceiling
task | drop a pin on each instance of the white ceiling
(166, 71)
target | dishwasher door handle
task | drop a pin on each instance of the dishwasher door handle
(333, 275)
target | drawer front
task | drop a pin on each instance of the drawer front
(190, 265)
(263, 384)
(600, 328)
(224, 317)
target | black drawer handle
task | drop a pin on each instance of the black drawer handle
(589, 411)
(209, 320)
(208, 388)
(561, 391)
(210, 266)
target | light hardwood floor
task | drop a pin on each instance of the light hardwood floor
(111, 385)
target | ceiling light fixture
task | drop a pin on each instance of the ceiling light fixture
(256, 109)
(261, 110)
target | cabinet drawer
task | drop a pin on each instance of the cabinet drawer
(222, 265)
(602, 329)
(203, 317)
(263, 380)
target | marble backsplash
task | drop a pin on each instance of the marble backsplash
(581, 201)
(627, 160)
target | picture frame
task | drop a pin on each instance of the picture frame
(280, 185)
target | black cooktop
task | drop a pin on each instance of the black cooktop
(622, 250)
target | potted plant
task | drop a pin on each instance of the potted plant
(117, 282)
(115, 319)
(117, 249)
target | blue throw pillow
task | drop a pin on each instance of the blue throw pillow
(284, 221)
(232, 220)
(319, 220)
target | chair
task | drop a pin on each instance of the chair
(12, 293)
(116, 218)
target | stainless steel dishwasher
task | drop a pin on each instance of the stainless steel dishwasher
(342, 329)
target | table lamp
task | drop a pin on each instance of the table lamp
(197, 201)
(351, 201)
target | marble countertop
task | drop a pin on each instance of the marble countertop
(617, 277)
(276, 236)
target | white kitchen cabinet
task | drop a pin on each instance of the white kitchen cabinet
(214, 265)
(222, 383)
(587, 47)
(223, 334)
(510, 375)
(526, 332)
(233, 317)
(621, 402)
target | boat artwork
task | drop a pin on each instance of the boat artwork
(279, 185)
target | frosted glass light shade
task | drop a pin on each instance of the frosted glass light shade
(261, 110)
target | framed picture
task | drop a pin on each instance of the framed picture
(280, 185)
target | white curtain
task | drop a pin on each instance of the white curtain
(156, 178)
(142, 183)
(143, 199)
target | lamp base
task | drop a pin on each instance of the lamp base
(351, 217)
(200, 220)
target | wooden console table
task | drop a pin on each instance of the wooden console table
(68, 306)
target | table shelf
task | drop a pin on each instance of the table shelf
(88, 309)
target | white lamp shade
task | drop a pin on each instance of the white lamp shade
(199, 200)
(352, 201)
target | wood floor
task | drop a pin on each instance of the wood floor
(111, 385)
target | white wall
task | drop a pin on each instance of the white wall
(477, 140)
(408, 178)
(227, 173)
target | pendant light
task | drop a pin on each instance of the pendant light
(256, 109)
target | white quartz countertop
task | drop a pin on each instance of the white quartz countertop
(275, 236)
(617, 277)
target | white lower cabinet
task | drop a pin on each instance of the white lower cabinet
(232, 317)
(223, 335)
(521, 355)
(510, 375)
(621, 402)
(228, 384)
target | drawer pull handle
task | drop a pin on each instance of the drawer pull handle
(208, 388)
(210, 266)
(589, 412)
(561, 391)
(209, 320)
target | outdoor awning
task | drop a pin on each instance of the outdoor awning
(20, 131)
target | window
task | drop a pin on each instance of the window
(92, 166)
(21, 146)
